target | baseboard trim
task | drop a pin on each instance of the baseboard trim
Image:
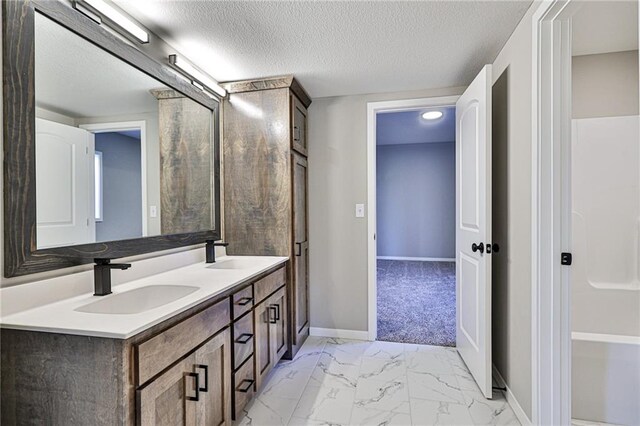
(511, 399)
(417, 259)
(338, 333)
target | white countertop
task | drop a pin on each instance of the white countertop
(62, 316)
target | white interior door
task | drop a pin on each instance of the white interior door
(473, 229)
(64, 185)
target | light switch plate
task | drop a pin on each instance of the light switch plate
(153, 211)
(359, 210)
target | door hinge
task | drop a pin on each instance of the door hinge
(566, 259)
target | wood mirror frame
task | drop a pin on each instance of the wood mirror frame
(21, 256)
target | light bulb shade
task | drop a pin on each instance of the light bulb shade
(432, 115)
(112, 15)
(200, 80)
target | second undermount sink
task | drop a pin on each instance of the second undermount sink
(233, 264)
(138, 300)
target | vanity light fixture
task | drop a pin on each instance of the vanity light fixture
(432, 115)
(198, 79)
(99, 10)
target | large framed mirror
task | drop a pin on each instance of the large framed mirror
(107, 152)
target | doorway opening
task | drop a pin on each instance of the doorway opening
(404, 260)
(587, 315)
(120, 180)
(416, 235)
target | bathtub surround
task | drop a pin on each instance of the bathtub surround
(417, 302)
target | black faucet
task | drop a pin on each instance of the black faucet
(102, 275)
(210, 249)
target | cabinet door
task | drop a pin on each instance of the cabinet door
(263, 314)
(213, 365)
(279, 325)
(298, 126)
(170, 400)
(300, 281)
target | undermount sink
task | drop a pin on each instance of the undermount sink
(138, 300)
(233, 264)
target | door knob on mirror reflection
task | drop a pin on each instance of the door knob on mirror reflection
(477, 247)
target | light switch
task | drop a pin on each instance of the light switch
(153, 211)
(359, 210)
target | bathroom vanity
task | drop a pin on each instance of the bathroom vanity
(195, 360)
(190, 345)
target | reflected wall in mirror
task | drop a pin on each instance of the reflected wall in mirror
(119, 155)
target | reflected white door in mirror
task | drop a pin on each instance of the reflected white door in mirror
(64, 159)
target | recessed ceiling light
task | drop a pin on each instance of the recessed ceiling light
(432, 115)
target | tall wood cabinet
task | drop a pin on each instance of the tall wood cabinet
(265, 181)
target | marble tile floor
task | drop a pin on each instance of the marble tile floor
(352, 382)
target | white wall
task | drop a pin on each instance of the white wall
(605, 85)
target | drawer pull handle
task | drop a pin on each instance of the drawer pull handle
(244, 301)
(273, 319)
(248, 386)
(196, 379)
(277, 309)
(206, 377)
(244, 338)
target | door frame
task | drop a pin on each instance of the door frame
(550, 210)
(372, 109)
(130, 125)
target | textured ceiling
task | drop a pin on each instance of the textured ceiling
(75, 78)
(605, 26)
(336, 47)
(396, 128)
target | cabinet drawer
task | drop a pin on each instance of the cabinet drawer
(243, 337)
(157, 353)
(242, 302)
(269, 284)
(244, 386)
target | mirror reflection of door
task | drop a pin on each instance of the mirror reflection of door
(64, 185)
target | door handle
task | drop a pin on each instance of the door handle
(196, 379)
(477, 247)
(298, 249)
(206, 378)
(296, 130)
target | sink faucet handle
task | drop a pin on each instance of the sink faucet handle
(107, 263)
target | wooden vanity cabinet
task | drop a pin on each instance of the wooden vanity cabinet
(195, 391)
(192, 369)
(271, 325)
(265, 147)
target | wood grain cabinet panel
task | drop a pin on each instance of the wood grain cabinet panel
(166, 400)
(196, 391)
(272, 331)
(265, 177)
(243, 336)
(244, 386)
(242, 302)
(267, 285)
(161, 350)
(263, 347)
(300, 282)
(298, 126)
